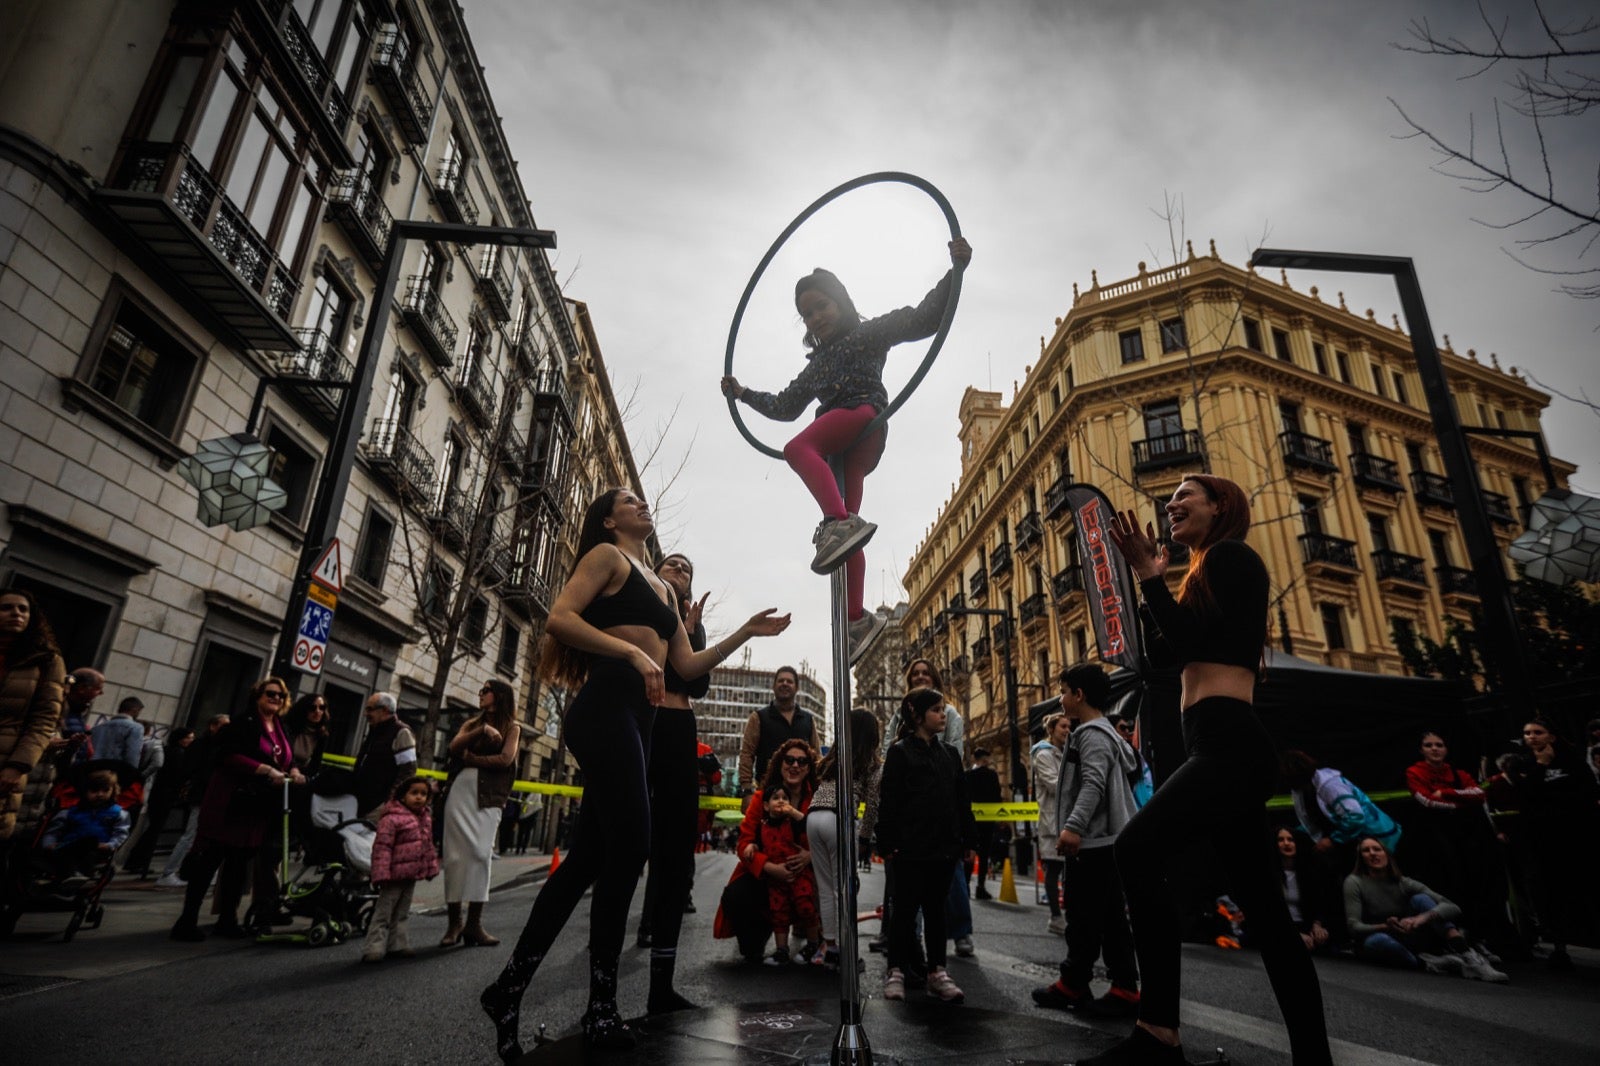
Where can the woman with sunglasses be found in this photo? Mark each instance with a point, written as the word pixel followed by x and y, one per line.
pixel 308 724
pixel 254 758
pixel 483 757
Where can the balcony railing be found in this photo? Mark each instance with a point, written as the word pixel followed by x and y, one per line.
pixel 395 453
pixel 452 194
pixel 494 287
pixel 314 72
pixel 359 210
pixel 1066 582
pixel 451 516
pixel 548 382
pixel 397 80
pixel 1055 499
pixel 1029 533
pixel 1307 452
pixel 525 350
pixel 1173 449
pixel 513 449
pixel 475 393
pixel 978 585
pixel 1395 566
pixel 1320 549
pixel 425 315
pixel 980 653
pixel 319 360
pixel 1432 490
pixel 1498 507
pixel 1033 609
pixel 227 272
pixel 1375 472
pixel 1456 581
pixel 1000 560
pixel 957 602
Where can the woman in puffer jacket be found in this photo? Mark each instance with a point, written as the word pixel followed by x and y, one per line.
pixel 402 855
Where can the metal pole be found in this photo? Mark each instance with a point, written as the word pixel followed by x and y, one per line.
pixel 1019 774
pixel 850 1046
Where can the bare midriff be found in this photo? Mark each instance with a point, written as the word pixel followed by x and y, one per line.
pixel 1205 680
pixel 644 638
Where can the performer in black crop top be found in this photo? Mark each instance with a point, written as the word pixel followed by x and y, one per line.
pixel 612 627
pixel 1215 628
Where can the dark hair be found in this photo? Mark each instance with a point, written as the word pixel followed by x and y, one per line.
pixel 298 720
pixel 1091 680
pixel 405 786
pixel 558 663
pixel 503 715
pixel 101 779
pixel 774 775
pixel 827 283
pixel 1360 869
pixel 786 670
pixel 771 792
pixel 915 707
pixel 863 746
pixel 1548 726
pixel 1232 523
pixel 689 596
pixel 176 735
pixel 37 638
pixel 1297 768
pixel 933 672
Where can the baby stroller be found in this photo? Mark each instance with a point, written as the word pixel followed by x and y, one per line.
pixel 31 881
pixel 332 889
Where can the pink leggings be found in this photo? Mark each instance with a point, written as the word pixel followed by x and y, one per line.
pixel 808 455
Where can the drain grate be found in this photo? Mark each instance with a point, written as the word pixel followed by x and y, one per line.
pixel 14 985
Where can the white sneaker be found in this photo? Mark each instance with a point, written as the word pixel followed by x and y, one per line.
pixel 170 881
pixel 1477 968
pixel 1442 964
pixel 862 631
pixel 1058 925
pixel 894 984
pixel 964 947
pixel 839 538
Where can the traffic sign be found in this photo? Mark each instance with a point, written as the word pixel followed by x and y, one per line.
pixel 316 621
pixel 329 567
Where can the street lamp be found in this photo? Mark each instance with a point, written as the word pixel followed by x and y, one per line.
pixel 328 503
pixel 1502 646
pixel 1019 776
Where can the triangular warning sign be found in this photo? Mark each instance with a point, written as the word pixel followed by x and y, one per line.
pixel 329 568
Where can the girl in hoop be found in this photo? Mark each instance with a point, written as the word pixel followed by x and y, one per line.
pixel 845 373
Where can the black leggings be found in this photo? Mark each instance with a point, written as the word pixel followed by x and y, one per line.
pixel 608 732
pixel 918 884
pixel 201 866
pixel 1219 793
pixel 674 826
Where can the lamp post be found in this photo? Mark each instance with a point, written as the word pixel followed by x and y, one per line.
pixel 1502 645
pixel 328 503
pixel 1019 776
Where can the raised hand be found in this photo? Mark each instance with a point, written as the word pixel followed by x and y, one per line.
pixel 692 617
pixel 1138 546
pixel 731 386
pixel 768 623
pixel 960 252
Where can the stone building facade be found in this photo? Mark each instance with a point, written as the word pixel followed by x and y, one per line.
pixel 196 199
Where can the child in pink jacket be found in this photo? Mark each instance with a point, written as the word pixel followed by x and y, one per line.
pixel 402 855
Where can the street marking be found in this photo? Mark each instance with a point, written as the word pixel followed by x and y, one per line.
pixel 1271 1035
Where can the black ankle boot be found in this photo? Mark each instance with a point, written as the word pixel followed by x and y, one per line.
pixel 502 1002
pixel 664 999
pixel 603 1027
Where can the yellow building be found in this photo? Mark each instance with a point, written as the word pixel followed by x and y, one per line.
pixel 1316 410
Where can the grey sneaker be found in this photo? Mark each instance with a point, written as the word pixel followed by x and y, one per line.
pixel 862 630
pixel 941 987
pixel 1442 964
pixel 839 538
pixel 894 984
pixel 1477 968
pixel 964 947
pixel 1058 925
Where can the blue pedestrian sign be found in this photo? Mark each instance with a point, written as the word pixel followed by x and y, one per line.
pixel 316 622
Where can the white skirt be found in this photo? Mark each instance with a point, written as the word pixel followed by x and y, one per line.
pixel 469 832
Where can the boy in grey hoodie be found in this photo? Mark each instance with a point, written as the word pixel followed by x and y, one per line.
pixel 1094 799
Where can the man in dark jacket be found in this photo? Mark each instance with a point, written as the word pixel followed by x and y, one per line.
pixel 778 721
pixel 983 786
pixel 388 756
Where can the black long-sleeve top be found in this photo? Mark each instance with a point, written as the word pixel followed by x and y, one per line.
pixel 923 808
pixel 848 371
pixel 1231 629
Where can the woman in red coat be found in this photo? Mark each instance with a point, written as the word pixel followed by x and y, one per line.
pixel 743 912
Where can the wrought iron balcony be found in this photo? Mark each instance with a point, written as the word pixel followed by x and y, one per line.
pixel 1322 552
pixel 1432 490
pixel 523 589
pixel 425 315
pixel 1000 560
pixel 402 89
pixel 226 272
pixel 494 287
pixel 496 564
pixel 315 77
pixel 1066 582
pixel 980 653
pixel 960 666
pixel 957 602
pixel 475 393
pixel 452 193
pixel 1055 499
pixel 1001 632
pixel 1029 533
pixel 1498 507
pixel 319 360
pixel 1456 582
pixel 1375 472
pixel 525 351
pixel 1033 610
pixel 451 516
pixel 1173 449
pixel 513 449
pixel 978 585
pixel 549 383
pixel 399 457
pixel 941 624
pixel 1397 567
pixel 1307 452
pixel 359 210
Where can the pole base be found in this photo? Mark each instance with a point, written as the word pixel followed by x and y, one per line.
pixel 850 1047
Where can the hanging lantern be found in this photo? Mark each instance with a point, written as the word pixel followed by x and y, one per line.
pixel 1562 541
pixel 231 474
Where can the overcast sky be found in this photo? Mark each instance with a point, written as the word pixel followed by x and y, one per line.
pixel 669 143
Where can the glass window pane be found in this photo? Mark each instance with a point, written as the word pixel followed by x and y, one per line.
pixel 207 137
pixel 269 190
pixel 175 100
pixel 247 161
pixel 355 46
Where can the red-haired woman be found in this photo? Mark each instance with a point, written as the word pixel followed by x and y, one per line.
pixel 1216 629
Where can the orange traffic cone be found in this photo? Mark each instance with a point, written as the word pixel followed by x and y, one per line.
pixel 555 861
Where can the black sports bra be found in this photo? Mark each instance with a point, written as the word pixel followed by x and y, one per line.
pixel 634 604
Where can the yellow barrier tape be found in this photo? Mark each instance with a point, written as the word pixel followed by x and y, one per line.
pixel 1005 812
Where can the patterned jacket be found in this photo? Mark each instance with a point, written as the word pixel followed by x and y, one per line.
pixel 403 849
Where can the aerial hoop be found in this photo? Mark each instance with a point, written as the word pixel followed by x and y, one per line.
pixel 881 177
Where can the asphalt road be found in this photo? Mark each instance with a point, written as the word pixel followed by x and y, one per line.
pixel 124 994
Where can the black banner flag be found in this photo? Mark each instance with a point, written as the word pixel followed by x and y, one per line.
pixel 1113 607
